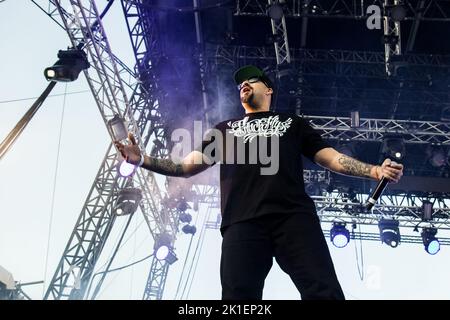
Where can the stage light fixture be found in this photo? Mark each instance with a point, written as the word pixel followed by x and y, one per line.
pixel 163 249
pixel 430 242
pixel 185 217
pixel 182 205
pixel 275 11
pixel 396 12
pixel 189 229
pixel 128 201
pixel 393 147
pixel 339 234
pixel 389 232
pixel 69 65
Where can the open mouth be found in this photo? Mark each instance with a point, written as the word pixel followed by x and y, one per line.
pixel 246 89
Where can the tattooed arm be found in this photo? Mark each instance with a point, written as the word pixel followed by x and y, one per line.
pixel 341 163
pixel 192 164
pixel 195 162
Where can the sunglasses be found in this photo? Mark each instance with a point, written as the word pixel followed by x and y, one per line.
pixel 251 80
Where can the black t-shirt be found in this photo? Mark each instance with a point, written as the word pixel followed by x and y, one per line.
pixel 255 179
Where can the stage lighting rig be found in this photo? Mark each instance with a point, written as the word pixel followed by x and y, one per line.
pixel 69 65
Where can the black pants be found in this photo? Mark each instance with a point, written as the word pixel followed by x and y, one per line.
pixel 298 245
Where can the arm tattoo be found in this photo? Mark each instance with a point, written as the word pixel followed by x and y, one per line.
pixel 354 167
pixel 164 166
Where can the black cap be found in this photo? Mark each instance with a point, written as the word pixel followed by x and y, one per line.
pixel 249 71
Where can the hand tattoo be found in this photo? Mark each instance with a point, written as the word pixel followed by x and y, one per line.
pixel 354 167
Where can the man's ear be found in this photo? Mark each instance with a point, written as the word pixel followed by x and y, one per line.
pixel 269 91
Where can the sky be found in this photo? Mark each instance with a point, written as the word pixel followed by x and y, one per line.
pixel 47 174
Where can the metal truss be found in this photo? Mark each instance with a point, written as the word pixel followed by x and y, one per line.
pixel 209 194
pixel 419 132
pixel 434 10
pixel 392 39
pixel 145 99
pixel 141 24
pixel 156 281
pixel 230 55
pixel 342 63
pixel 405 208
pixel 85 31
pixel 279 34
pixel 202 61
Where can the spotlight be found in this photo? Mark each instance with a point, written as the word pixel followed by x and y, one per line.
pixel 166 253
pixel 396 12
pixel 163 249
pixel 182 205
pixel 185 217
pixel 68 67
pixel 117 128
pixel 339 234
pixel 431 243
pixel 389 232
pixel 189 229
pixel 275 11
pixel 393 148
pixel 128 201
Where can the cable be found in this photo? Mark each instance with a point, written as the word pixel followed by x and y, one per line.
pixel 111 259
pixel 134 253
pixel 54 191
pixel 360 270
pixel 112 252
pixel 201 240
pixel 199 246
pixel 49 96
pixel 185 262
pixel 126 266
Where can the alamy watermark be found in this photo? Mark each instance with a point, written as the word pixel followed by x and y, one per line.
pixel 374 17
pixel 247 142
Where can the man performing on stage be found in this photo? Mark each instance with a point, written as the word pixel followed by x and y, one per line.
pixel 267 213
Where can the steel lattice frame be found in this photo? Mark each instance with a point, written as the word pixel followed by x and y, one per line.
pixel 434 10
pixel 144 39
pixel 354 63
pixel 391 29
pixel 279 31
pixel 405 208
pixel 97 216
pixel 420 132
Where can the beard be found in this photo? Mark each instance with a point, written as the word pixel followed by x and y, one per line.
pixel 248 99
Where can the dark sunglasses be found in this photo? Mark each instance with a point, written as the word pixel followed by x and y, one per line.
pixel 251 80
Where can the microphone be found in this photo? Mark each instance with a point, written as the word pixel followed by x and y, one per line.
pixel 377 193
